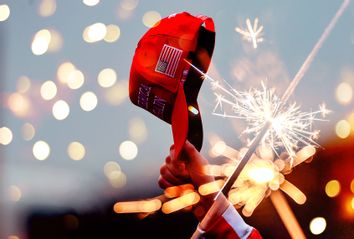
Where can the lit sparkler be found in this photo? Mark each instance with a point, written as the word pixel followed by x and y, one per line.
pixel 252 33
pixel 289 127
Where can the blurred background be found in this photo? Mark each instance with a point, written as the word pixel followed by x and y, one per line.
pixel 72 144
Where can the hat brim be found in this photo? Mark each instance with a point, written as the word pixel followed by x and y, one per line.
pixel 186 121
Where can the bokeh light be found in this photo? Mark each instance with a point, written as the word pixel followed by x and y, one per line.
pixel 318 225
pixel 150 18
pixel 88 101
pixel 23 84
pixel 64 71
pixel 41 150
pixel 117 179
pixel 4 12
pixel 115 176
pixel 352 186
pixel 344 93
pixel 15 193
pixel 113 33
pixel 350 120
pixel 41 41
pixel 137 130
pixel 13 237
pixel 129 5
pixel 218 148
pixel 56 41
pixel 94 33
pixel 28 131
pixel 111 167
pixel 116 94
pixel 332 188
pixel 261 174
pixel 60 110
pixel 107 77
pixel 91 3
pixel 76 151
pixel 47 8
pixel 5 136
pixel 48 90
pixel 19 104
pixel 75 79
pixel 128 150
pixel 342 129
pixel 142 206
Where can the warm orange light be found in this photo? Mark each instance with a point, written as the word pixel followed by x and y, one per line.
pixel 180 202
pixel 177 191
pixel 303 154
pixel 332 188
pixel 211 187
pixel 143 206
pixel 295 193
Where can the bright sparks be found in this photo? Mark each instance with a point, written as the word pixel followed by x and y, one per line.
pixel 289 127
pixel 251 33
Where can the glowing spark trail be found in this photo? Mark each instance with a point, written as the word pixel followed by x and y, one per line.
pixel 251 34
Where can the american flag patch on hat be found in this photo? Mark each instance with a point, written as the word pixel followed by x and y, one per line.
pixel 168 60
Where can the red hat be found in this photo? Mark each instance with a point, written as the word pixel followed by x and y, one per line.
pixel 161 80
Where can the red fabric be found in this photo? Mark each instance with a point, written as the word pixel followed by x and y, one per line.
pixel 222 230
pixel 179 116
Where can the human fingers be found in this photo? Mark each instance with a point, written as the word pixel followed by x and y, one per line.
pixel 163 183
pixel 176 165
pixel 170 177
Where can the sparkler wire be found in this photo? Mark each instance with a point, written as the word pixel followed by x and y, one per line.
pixel 230 181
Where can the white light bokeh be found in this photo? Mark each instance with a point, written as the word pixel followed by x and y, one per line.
pixel 5 136
pixel 107 77
pixel 318 225
pixel 19 104
pixel 41 150
pixel 41 41
pixel 113 33
pixel 75 79
pixel 343 129
pixel 48 90
pixel 344 93
pixel 60 110
pixel 128 150
pixel 65 69
pixel 76 151
pixel 91 3
pixel 150 18
pixel 4 12
pixel 88 101
pixel 94 33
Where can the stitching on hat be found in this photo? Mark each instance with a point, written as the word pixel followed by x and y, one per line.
pixel 168 60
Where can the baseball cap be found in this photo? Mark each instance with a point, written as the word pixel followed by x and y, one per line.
pixel 162 80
